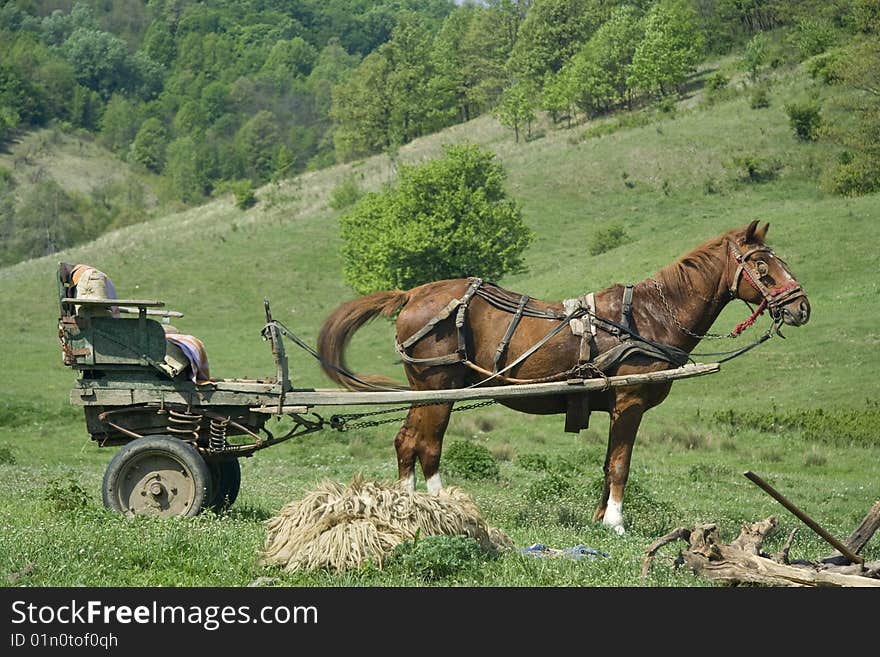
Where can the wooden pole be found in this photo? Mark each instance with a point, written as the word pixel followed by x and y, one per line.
pixel 808 521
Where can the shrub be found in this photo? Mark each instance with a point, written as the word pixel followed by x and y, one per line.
pixel 66 495
pixel 855 175
pixel 345 194
pixel 717 81
pixel 549 487
pixel 805 119
pixel 470 460
pixel 835 427
pixel 243 191
pixel 759 98
pixel 434 558
pixel 533 462
pixel 813 36
pixel 756 169
pixel 447 218
pixel 607 238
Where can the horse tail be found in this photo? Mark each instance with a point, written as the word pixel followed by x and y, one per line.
pixel 342 324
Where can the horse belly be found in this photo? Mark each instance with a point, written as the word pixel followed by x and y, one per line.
pixel 550 404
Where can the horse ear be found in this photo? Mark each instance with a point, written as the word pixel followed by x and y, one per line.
pixel 761 233
pixel 750 232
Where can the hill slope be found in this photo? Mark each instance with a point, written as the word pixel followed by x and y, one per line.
pixel 216 263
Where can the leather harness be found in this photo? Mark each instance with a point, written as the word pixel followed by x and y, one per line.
pixel 581 317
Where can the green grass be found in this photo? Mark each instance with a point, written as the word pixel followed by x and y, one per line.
pixel 216 263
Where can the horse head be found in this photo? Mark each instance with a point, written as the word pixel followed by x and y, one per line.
pixel 758 276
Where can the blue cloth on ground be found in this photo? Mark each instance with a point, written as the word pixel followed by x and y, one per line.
pixel 574 552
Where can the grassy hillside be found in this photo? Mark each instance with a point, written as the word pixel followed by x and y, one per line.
pixel 670 183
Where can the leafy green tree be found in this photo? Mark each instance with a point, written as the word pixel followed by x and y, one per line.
pixel 858 169
pixel 558 95
pixel 118 124
pixel 516 108
pixel 756 56
pixel 553 30
pixel 258 141
pixel 412 109
pixel 361 109
pixel 447 218
pixel 333 65
pixel 601 70
pixel 671 49
pixel 48 220
pixel 183 170
pixel 159 43
pixel 291 58
pixel 99 58
pixel 469 55
pixel 148 147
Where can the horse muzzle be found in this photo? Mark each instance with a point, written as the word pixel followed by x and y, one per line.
pixel 796 312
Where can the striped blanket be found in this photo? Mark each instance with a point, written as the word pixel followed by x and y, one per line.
pixel 194 350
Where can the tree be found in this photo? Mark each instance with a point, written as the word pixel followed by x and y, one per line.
pixel 600 71
pixel 671 49
pixel 183 170
pixel 553 30
pixel 118 124
pixel 516 108
pixel 447 218
pixel 100 60
pixel 858 169
pixel 148 147
pixel 361 110
pixel 258 141
pixel 409 56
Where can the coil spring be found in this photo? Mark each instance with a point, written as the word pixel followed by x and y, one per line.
pixel 181 424
pixel 217 438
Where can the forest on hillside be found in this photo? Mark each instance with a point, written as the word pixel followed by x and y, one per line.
pixel 207 96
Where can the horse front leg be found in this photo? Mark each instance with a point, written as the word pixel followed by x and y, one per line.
pixel 621 437
pixel 421 436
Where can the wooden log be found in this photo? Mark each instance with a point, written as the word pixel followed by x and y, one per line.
pixel 807 520
pixel 863 533
pixel 742 562
pixel 860 537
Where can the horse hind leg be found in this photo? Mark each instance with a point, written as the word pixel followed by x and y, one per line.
pixel 421 437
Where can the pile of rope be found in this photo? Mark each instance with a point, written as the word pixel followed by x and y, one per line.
pixel 339 527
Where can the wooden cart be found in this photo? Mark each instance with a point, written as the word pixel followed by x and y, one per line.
pixel 181 441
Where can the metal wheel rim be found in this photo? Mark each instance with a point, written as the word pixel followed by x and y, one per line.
pixel 156 483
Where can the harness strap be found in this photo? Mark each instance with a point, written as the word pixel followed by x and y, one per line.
pixel 626 312
pixel 502 347
pixel 427 328
pixel 459 317
pixel 461 352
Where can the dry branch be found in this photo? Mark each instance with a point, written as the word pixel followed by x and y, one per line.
pixel 743 562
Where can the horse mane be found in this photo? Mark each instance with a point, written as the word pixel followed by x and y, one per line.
pixel 698 269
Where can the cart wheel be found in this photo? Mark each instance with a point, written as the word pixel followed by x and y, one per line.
pixel 225 483
pixel 157 476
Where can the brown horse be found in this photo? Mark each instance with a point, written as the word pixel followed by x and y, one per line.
pixel 461 332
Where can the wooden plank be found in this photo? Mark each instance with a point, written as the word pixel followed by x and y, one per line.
pixel 145 303
pixel 338 397
pixel 130 310
pixel 259 396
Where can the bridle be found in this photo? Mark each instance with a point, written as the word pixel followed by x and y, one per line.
pixel 753 272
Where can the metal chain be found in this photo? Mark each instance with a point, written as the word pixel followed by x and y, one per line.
pixel 681 327
pixel 341 422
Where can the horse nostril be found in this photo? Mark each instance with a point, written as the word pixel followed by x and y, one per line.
pixel 805 310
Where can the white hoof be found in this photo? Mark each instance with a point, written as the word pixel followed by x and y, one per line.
pixel 614 517
pixel 434 484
